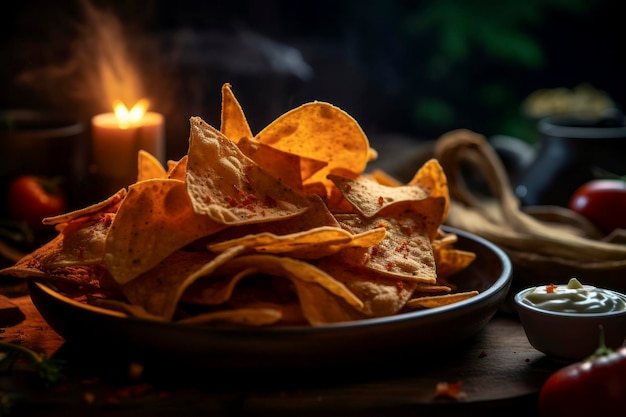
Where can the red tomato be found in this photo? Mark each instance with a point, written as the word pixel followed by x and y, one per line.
pixel 602 202
pixel 32 198
pixel 594 387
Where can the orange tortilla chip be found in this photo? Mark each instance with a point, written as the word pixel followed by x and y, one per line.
pixel 309 244
pixel 289 268
pixel 159 289
pixel 110 205
pixel 450 260
pixel 292 169
pixel 230 188
pixel 422 288
pixel 381 295
pixel 247 316
pixel 322 298
pixel 266 242
pixel 178 170
pixel 155 220
pixel 320 306
pixel 77 277
pixel 83 242
pixel 316 216
pixel 370 197
pixel 149 167
pixel 216 290
pixel 234 124
pixel 309 166
pixel 405 252
pixel 281 165
pixel 432 177
pixel 439 300
pixel 322 132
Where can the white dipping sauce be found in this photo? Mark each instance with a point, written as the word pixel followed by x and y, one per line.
pixel 575 298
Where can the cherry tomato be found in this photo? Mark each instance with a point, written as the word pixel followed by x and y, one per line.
pixel 593 387
pixel 32 198
pixel 602 202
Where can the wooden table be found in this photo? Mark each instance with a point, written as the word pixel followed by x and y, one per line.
pixel 498 370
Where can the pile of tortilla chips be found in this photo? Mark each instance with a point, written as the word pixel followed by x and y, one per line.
pixel 274 228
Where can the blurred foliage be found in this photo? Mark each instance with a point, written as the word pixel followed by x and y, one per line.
pixel 480 36
pixel 459 61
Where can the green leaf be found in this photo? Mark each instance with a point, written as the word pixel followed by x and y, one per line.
pixel 434 111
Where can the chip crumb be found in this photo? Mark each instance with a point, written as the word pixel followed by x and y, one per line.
pixel 135 370
pixel 89 397
pixel 447 390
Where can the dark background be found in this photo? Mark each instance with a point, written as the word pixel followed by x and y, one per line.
pixel 412 68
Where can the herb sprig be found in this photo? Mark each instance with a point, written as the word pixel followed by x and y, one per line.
pixel 49 371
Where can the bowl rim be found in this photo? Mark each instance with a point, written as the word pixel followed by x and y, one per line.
pixel 57 125
pixel 581 316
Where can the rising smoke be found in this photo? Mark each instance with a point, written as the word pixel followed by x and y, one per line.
pixel 96 62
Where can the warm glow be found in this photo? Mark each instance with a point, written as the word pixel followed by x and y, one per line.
pixel 126 117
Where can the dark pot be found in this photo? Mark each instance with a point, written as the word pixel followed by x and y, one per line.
pixel 571 152
pixel 40 143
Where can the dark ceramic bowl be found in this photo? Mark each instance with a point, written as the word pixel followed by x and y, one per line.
pixel 425 331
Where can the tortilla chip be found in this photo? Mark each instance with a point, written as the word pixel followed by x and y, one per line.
pixel 110 205
pixel 155 220
pixel 310 244
pixel 291 169
pixel 290 311
pixel 439 300
pixel 178 170
pixel 234 124
pixel 289 268
pixel 245 316
pixel 432 178
pixel 321 306
pixel 230 188
pixel 83 242
pixel 281 165
pixel 159 290
pixel 321 298
pixel 370 197
pixel 381 295
pixel 75 278
pixel 451 261
pixel 149 167
pixel 316 216
pixel 322 132
pixel 405 253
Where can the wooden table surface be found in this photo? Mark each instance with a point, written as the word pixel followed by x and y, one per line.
pixel 498 370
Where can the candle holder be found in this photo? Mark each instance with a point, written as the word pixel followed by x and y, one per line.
pixel 115 148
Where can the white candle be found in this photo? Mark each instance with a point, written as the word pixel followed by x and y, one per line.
pixel 116 146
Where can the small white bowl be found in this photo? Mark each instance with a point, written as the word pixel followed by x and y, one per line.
pixel 569 337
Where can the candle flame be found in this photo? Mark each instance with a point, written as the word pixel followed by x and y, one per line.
pixel 125 117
